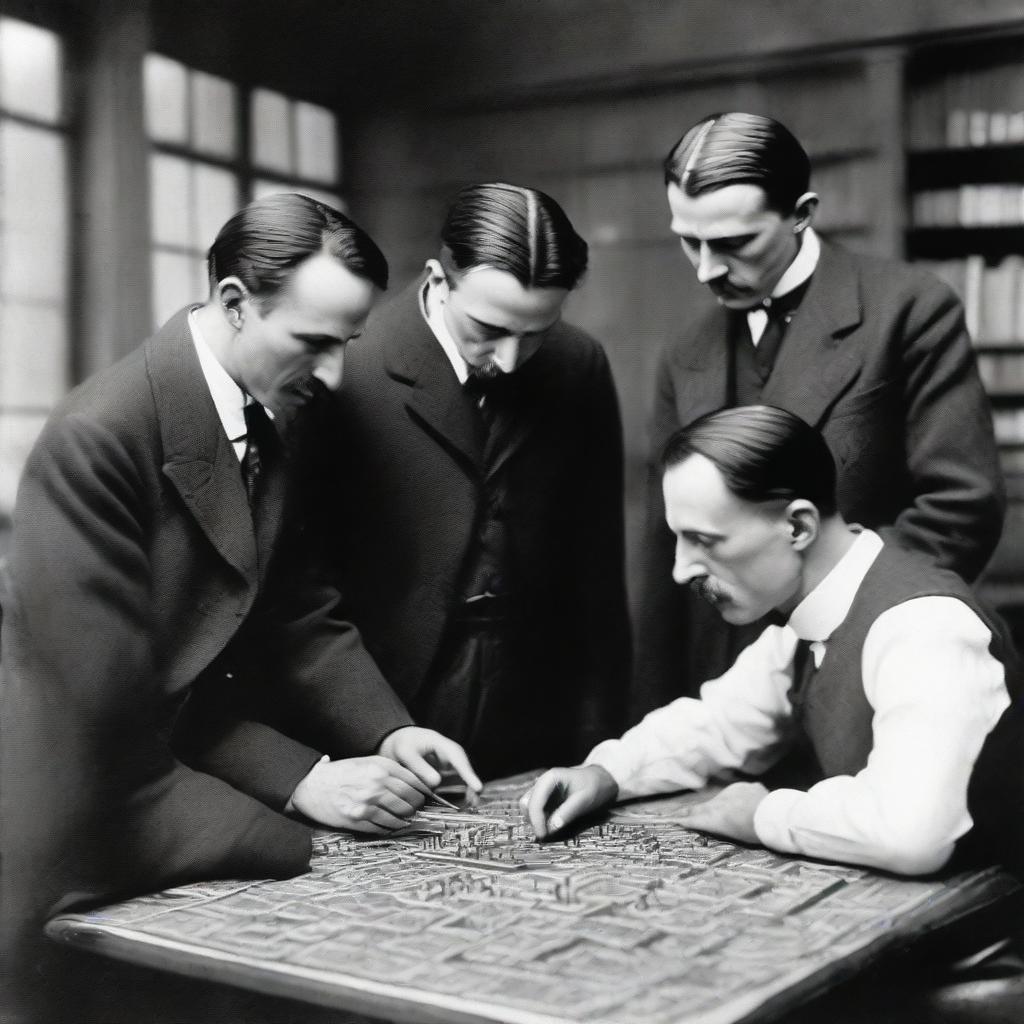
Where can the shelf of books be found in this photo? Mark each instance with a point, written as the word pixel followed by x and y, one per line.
pixel 965 178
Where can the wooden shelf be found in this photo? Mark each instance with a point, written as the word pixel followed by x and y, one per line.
pixel 952 166
pixel 999 348
pixel 949 242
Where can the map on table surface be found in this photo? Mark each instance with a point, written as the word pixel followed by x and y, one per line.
pixel 465 917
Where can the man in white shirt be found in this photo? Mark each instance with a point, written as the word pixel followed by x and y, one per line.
pixel 884 693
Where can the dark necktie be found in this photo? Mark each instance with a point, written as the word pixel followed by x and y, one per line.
pixel 780 311
pixel 260 441
pixel 480 391
pixel 804 669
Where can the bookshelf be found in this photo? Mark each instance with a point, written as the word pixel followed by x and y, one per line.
pixel 965 182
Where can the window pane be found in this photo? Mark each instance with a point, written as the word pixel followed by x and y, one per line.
pixel 18 432
pixel 213 115
pixel 33 370
pixel 33 265
pixel 316 139
pixel 271 130
pixel 33 177
pixel 30 70
pixel 170 200
pixel 265 187
pixel 216 197
pixel 174 283
pixel 166 88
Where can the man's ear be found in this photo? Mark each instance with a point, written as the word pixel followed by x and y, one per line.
pixel 803 522
pixel 435 273
pixel 234 299
pixel 803 211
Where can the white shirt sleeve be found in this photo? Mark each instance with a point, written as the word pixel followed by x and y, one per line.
pixel 936 692
pixel 741 722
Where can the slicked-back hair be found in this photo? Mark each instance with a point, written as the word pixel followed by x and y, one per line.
pixel 736 149
pixel 265 241
pixel 763 453
pixel 519 230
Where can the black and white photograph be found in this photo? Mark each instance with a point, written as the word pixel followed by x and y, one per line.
pixel 511 512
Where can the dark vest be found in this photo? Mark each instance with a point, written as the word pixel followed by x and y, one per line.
pixel 835 715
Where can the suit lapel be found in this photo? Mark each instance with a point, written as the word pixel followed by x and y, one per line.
pixel 701 383
pixel 413 356
pixel 815 366
pixel 198 458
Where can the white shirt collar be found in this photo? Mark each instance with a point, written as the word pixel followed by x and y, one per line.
pixel 430 307
pixel 803 265
pixel 228 398
pixel 823 610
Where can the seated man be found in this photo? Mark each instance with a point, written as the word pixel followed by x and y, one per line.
pixel 156 577
pixel 883 701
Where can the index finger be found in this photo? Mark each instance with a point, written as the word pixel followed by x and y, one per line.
pixel 458 760
pixel 544 789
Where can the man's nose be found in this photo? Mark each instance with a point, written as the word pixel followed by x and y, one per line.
pixel 687 565
pixel 330 368
pixel 709 266
pixel 506 352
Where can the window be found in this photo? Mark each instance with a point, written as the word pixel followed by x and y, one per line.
pixel 201 171
pixel 34 208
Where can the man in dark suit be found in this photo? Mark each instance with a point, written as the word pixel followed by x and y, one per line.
pixel 872 352
pixel 480 466
pixel 156 568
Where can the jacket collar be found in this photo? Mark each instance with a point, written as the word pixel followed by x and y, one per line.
pixel 814 367
pixel 198 458
pixel 414 357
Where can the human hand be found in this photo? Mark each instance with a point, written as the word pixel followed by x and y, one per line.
pixel 729 813
pixel 424 751
pixel 562 795
pixel 364 794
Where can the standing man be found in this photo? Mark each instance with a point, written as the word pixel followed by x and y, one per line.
pixel 159 610
pixel 480 519
pixel 880 712
pixel 873 353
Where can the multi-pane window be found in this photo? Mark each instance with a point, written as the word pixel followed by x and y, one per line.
pixel 202 170
pixel 192 120
pixel 34 208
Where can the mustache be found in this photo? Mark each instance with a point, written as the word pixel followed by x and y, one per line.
pixel 705 588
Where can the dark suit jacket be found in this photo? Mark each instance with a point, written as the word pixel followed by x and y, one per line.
pixel 134 566
pixel 409 468
pixel 879 359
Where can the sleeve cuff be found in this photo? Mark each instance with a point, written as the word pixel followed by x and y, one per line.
pixel 771 820
pixel 611 756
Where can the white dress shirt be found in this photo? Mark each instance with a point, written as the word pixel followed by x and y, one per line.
pixel 803 265
pixel 936 692
pixel 228 398
pixel 430 307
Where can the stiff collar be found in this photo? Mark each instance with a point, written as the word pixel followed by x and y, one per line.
pixel 804 264
pixel 430 307
pixel 796 274
pixel 228 398
pixel 823 610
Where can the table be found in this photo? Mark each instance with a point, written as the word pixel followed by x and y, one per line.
pixel 464 918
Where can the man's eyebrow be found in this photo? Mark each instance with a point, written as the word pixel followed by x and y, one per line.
pixel 718 239
pixel 484 324
pixel 504 330
pixel 702 534
pixel 322 340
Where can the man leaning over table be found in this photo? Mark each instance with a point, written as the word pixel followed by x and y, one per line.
pixel 880 712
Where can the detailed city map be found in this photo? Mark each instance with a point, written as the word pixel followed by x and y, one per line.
pixel 635 920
